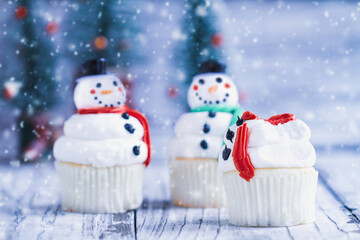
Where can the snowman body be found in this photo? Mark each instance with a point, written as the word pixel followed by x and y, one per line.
pixel 104 127
pixel 105 147
pixel 194 150
pixel 199 133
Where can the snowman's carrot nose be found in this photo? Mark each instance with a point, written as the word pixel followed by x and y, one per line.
pixel 106 92
pixel 213 89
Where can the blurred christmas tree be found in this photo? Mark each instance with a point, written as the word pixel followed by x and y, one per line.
pixel 32 87
pixel 204 39
pixel 108 29
pixel 201 39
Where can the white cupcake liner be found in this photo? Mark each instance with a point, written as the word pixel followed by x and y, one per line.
pixel 273 197
pixel 100 190
pixel 196 183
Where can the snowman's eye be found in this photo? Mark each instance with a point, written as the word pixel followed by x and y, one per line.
pixel 115 83
pixel 98 85
pixel 201 81
pixel 219 80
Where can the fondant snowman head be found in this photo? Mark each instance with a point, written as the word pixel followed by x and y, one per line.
pixel 96 88
pixel 212 87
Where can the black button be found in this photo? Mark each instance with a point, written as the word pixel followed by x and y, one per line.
pixel 240 121
pixel 125 115
pixel 226 153
pixel 203 144
pixel 136 150
pixel 206 128
pixel 212 114
pixel 230 135
pixel 129 128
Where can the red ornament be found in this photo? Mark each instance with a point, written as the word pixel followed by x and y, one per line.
pixel 217 39
pixel 173 91
pixel 100 42
pixel 7 94
pixel 11 89
pixel 52 27
pixel 21 12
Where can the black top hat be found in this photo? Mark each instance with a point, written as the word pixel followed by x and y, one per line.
pixel 93 67
pixel 212 66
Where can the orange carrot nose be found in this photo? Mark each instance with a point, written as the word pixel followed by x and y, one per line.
pixel 213 89
pixel 106 92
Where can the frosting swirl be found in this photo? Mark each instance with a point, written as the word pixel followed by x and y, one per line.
pixel 199 134
pixel 102 126
pixel 271 145
pixel 102 140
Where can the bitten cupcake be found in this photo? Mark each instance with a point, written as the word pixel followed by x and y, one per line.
pixel 101 158
pixel 213 99
pixel 268 173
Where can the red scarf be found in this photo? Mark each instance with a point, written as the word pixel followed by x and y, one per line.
pixel 131 112
pixel 241 157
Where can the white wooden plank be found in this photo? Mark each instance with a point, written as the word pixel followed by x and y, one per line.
pixel 340 170
pixel 108 226
pixel 17 193
pixel 332 219
pixel 155 221
pixel 32 209
pixel 229 231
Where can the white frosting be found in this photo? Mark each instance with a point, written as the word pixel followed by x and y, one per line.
pixel 189 131
pixel 193 123
pixel 99 91
pixel 100 153
pixel 188 146
pixel 263 132
pixel 210 89
pixel 102 126
pixel 101 140
pixel 273 146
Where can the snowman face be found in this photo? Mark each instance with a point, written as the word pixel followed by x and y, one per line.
pixel 211 89
pixel 99 91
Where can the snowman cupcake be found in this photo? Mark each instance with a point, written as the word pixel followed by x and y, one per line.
pixel 213 99
pixel 101 158
pixel 268 173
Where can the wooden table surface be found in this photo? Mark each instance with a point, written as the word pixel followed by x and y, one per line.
pixel 30 208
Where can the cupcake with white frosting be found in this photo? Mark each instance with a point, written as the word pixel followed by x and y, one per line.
pixel 213 99
pixel 268 174
pixel 106 146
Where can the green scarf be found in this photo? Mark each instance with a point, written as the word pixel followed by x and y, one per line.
pixel 234 110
